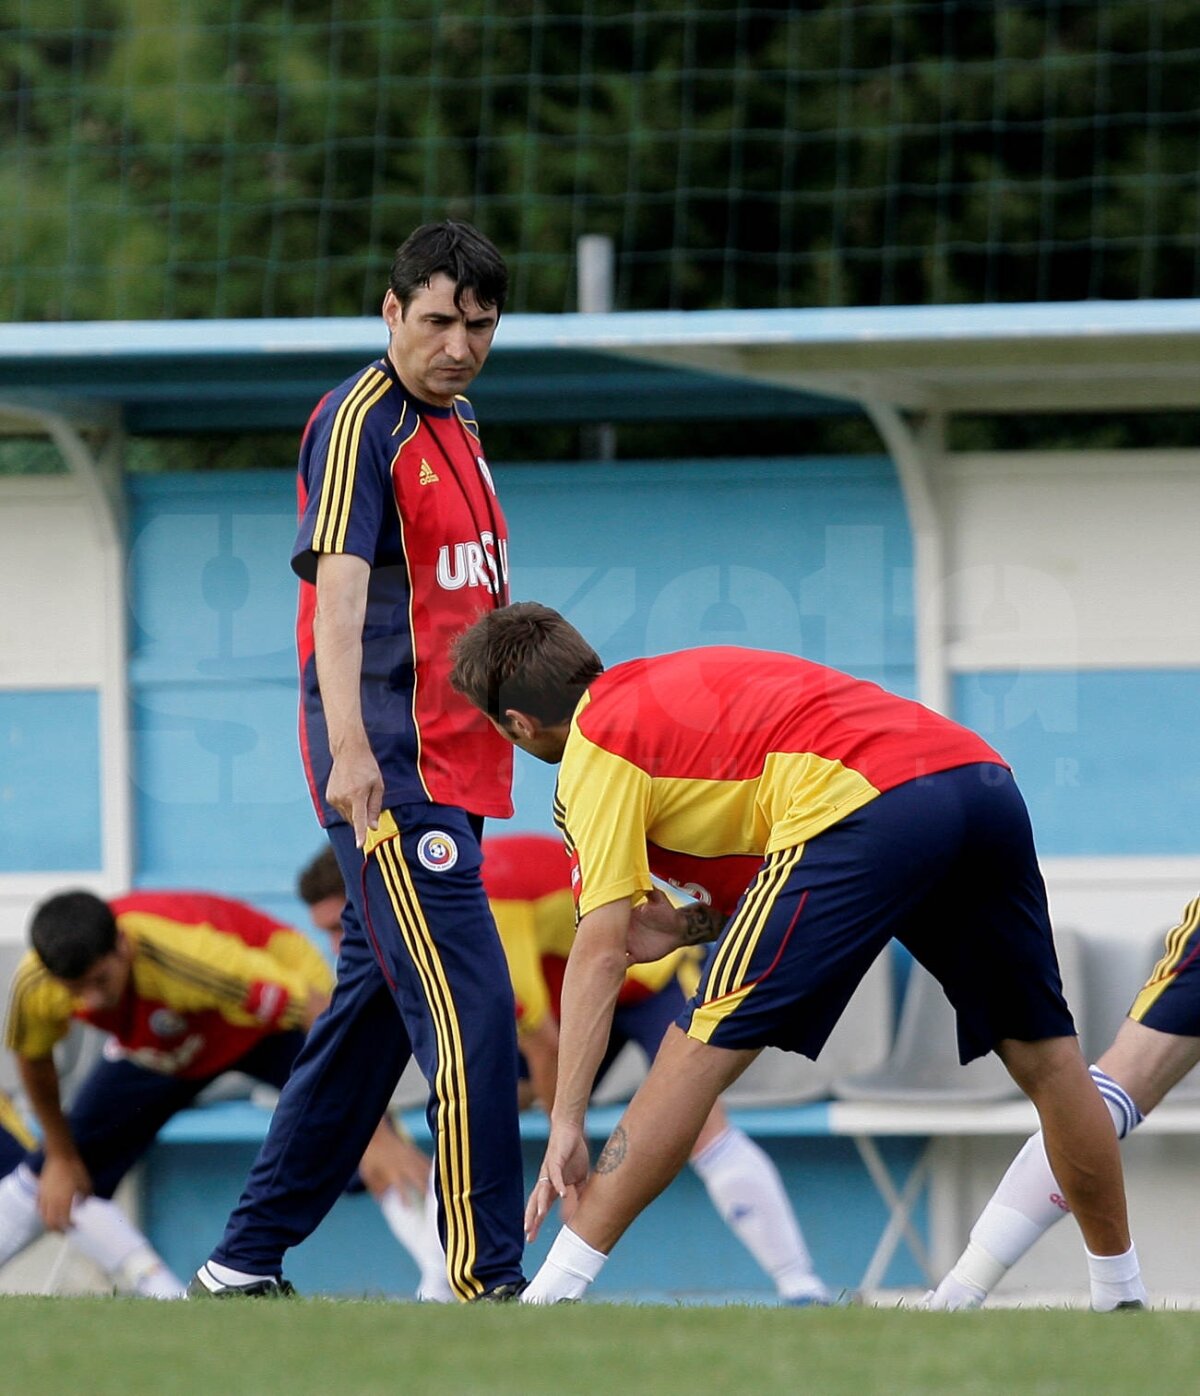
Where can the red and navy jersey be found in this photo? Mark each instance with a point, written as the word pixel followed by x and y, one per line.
pixel 405 486
pixel 731 753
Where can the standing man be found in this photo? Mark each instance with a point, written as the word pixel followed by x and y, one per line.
pixel 871 816
pixel 401 544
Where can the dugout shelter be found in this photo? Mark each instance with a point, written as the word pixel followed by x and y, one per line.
pixel 147 687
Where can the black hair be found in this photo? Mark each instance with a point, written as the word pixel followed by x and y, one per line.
pixel 71 931
pixel 458 250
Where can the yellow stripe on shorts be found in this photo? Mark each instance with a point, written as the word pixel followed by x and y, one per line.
pixel 1163 973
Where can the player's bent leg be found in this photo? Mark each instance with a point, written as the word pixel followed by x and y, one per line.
pixel 649 1146
pixel 1081 1147
pixel 1148 1063
pixel 1027 1202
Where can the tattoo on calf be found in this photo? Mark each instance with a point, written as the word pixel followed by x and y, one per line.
pixel 701 924
pixel 613 1153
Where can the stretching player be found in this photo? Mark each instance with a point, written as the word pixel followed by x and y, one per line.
pixel 190 986
pixel 1154 1049
pixel 868 816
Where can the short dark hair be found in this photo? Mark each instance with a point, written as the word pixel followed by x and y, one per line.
pixel 321 877
pixel 458 250
pixel 71 931
pixel 527 657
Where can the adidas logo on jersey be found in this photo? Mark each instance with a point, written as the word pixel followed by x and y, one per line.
pixel 428 475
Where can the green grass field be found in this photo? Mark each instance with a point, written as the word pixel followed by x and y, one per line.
pixel 110 1347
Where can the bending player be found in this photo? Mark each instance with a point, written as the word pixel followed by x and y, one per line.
pixel 868 816
pixel 1154 1049
pixel 190 986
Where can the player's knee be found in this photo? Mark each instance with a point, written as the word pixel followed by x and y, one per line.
pixel 1044 1065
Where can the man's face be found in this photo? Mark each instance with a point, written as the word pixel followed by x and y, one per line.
pixel 436 348
pixel 103 986
pixel 326 915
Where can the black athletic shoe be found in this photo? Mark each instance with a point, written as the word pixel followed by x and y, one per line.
pixel 503 1294
pixel 205 1285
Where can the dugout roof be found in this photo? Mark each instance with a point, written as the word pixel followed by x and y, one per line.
pixel 161 377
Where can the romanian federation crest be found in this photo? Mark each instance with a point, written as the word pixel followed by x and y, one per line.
pixel 437 851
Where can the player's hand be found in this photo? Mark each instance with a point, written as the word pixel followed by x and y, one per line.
pixel 392 1161
pixel 355 790
pixel 564 1168
pixel 655 929
pixel 63 1180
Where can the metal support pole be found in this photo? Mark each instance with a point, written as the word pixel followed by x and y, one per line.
pixel 595 261
pixel 914 452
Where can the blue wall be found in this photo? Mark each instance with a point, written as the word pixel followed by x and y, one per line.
pixel 1109 761
pixel 50 780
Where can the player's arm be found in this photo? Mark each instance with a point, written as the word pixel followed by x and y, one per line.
pixel 281 987
pixel 355 786
pixel 594 975
pixel 64 1175
pixel 656 928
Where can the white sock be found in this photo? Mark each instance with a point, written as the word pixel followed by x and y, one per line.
pixel 435 1283
pixel 102 1232
pixel 1025 1205
pixel 409 1224
pixel 20 1221
pixel 1115 1279
pixel 570 1266
pixel 747 1191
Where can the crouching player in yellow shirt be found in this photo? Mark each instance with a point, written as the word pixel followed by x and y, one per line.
pixel 527 879
pixel 188 986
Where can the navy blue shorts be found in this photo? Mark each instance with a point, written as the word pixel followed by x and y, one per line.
pixel 946 865
pixel 1169 1001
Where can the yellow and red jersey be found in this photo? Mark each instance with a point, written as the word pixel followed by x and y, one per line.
pixel 210 977
pixel 528 884
pixel 724 752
